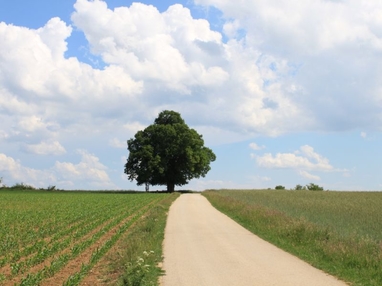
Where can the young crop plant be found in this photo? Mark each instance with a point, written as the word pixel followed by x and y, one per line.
pixel 42 233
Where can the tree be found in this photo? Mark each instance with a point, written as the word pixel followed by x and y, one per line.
pixel 279 187
pixel 167 153
pixel 299 187
pixel 314 187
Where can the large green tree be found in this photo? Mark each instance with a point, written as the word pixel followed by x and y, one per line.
pixel 167 152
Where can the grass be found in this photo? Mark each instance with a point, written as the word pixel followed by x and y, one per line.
pixel 41 233
pixel 338 232
pixel 142 247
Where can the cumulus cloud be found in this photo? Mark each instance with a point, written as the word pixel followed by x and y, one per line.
pixel 88 173
pixel 8 163
pixel 12 169
pixel 309 176
pixel 152 45
pixel 32 124
pixel 116 143
pixel 40 87
pixel 285 67
pixel 153 61
pixel 187 66
pixel 321 54
pixel 256 147
pixel 133 127
pixel 308 159
pixel 90 168
pixel 46 148
pixel 274 67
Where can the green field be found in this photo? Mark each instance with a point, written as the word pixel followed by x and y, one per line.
pixel 339 232
pixel 56 238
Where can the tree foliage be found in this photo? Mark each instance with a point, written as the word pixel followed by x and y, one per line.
pixel 314 187
pixel 310 187
pixel 167 152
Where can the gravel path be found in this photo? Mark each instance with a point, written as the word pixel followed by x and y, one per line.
pixel 202 246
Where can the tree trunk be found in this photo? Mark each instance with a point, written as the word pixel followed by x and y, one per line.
pixel 170 187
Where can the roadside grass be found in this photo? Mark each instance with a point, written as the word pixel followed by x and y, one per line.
pixel 338 232
pixel 140 255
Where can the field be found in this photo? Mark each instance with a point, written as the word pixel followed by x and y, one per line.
pixel 338 232
pixel 63 238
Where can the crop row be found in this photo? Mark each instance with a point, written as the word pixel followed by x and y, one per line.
pixel 40 220
pixel 64 226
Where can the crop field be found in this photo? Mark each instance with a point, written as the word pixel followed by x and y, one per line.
pixel 55 238
pixel 338 232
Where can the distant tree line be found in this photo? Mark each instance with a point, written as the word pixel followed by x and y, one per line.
pixel 25 187
pixel 309 187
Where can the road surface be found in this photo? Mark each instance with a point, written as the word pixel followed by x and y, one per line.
pixel 203 247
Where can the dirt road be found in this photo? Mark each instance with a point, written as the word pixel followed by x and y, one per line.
pixel 204 247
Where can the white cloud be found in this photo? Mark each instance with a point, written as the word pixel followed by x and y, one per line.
pixel 116 143
pixel 134 127
pixel 168 60
pixel 8 163
pixel 89 173
pixel 322 53
pixel 231 28
pixel 46 148
pixel 90 168
pixel 52 34
pixel 307 26
pixel 266 83
pixel 281 67
pixel 309 176
pixel 39 86
pixel 13 170
pixel 304 161
pixel 181 59
pixel 32 124
pixel 149 44
pixel 310 160
pixel 256 147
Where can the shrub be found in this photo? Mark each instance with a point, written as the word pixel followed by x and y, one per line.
pixel 279 187
pixel 51 188
pixel 22 186
pixel 300 187
pixel 314 187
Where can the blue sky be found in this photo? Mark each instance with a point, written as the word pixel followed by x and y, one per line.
pixel 284 93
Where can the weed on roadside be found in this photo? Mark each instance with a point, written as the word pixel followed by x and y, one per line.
pixel 330 240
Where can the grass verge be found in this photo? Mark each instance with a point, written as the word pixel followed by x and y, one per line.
pixel 350 256
pixel 140 252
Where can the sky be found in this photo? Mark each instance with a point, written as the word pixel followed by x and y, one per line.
pixel 284 92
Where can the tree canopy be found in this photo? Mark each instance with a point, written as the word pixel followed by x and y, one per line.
pixel 167 152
